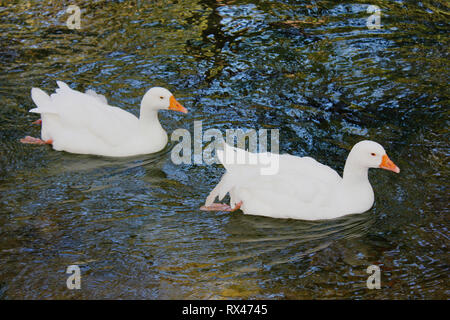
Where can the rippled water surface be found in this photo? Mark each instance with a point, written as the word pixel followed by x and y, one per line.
pixel 312 69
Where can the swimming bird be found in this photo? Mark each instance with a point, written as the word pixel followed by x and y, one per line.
pixel 302 188
pixel 85 123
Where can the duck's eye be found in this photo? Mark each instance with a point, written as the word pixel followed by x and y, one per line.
pixel 161 98
pixel 373 154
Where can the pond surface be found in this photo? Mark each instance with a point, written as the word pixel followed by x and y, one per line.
pixel 311 69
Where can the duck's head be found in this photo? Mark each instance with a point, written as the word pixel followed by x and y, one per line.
pixel 158 98
pixel 370 154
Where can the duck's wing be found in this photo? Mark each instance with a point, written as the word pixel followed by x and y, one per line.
pixel 94 94
pixel 307 168
pixel 302 178
pixel 247 165
pixel 87 113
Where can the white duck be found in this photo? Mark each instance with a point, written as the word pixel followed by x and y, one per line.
pixel 84 123
pixel 302 188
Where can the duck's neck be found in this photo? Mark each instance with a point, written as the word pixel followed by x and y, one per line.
pixel 148 120
pixel 152 135
pixel 356 194
pixel 355 174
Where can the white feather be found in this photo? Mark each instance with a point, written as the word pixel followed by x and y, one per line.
pixel 84 123
pixel 302 188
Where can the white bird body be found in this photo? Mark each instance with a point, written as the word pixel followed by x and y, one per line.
pixel 302 188
pixel 84 123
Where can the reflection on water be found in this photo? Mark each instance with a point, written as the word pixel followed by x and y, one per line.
pixel 311 69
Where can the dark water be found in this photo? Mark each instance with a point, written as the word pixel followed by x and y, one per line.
pixel 309 68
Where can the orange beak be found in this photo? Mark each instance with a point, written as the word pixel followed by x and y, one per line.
pixel 387 164
pixel 176 106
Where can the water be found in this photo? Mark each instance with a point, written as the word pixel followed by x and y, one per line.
pixel 311 69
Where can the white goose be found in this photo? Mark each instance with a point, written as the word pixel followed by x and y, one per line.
pixel 302 188
pixel 84 123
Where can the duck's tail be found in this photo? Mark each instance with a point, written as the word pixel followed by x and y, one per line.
pixel 239 165
pixel 42 101
pixel 220 190
pixel 45 103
